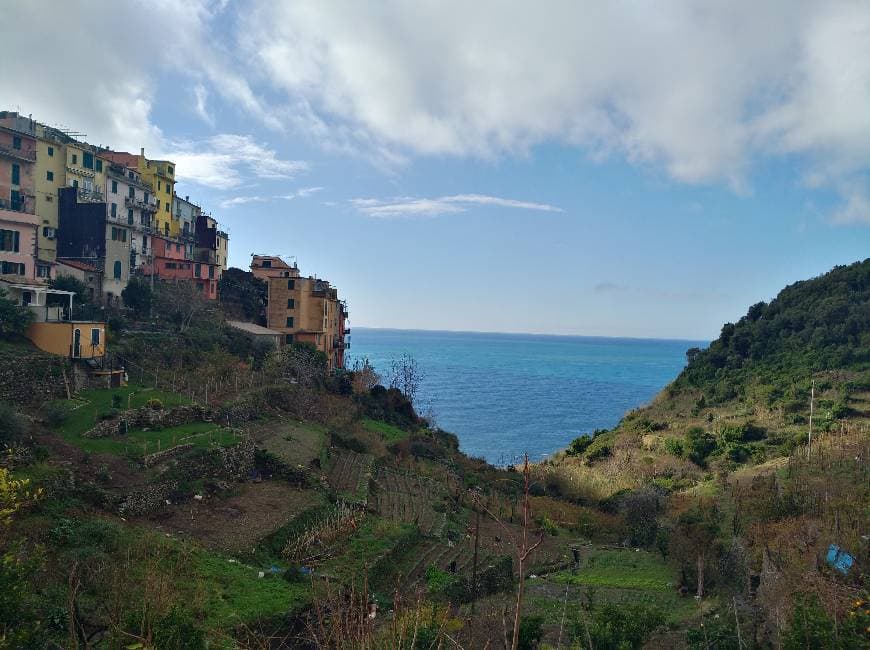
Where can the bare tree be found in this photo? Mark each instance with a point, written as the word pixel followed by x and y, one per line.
pixel 180 302
pixel 406 375
pixel 364 376
pixel 523 548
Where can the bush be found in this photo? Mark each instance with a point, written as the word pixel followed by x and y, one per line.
pixel 12 425
pixel 54 414
pixel 619 627
pixel 531 631
pixel 674 446
pixel 154 404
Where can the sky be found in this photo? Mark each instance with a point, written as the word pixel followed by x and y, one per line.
pixel 629 168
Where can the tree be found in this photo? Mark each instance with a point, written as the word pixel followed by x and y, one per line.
pixel 70 283
pixel 364 376
pixel 243 296
pixel 181 303
pixel 694 540
pixel 299 363
pixel 137 296
pixel 406 375
pixel 14 319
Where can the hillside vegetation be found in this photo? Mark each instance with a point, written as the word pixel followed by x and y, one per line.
pixel 233 498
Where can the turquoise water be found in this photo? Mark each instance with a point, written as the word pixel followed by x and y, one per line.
pixel 506 394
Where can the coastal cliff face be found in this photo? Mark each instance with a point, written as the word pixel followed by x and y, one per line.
pixel 324 512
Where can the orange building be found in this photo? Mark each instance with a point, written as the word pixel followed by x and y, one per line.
pixel 303 309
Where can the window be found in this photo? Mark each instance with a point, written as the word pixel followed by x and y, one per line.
pixel 210 271
pixel 11 268
pixel 43 271
pixel 267 264
pixel 99 165
pixel 130 216
pixel 144 243
pixel 166 229
pixel 95 337
pixel 75 182
pixel 9 240
pixel 178 248
pixel 114 210
pixel 16 142
pixel 131 175
pixel 288 339
pixel 131 192
pixel 158 186
pixel 16 174
pixel 170 170
pixel 117 270
pixel 51 151
pixel 114 187
pixel 168 190
pixel 48 232
pixel 119 234
pixel 197 270
pixel 87 160
pixel 147 197
pixel 49 176
pixel 289 321
pixel 291 304
pixel 166 205
pixel 75 159
pixel 170 265
pixel 291 284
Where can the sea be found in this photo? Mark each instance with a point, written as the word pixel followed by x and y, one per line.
pixel 505 395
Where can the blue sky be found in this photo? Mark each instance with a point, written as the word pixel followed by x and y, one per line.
pixel 594 169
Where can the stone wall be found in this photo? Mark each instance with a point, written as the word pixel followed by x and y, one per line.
pixel 158 457
pixel 31 377
pixel 149 418
pixel 146 499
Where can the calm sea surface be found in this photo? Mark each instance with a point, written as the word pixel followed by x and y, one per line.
pixel 505 394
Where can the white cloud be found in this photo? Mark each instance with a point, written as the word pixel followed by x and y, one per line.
pixel 416 207
pixel 226 160
pixel 701 90
pixel 200 96
pixel 298 194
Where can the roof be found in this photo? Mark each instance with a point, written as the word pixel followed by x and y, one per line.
pixel 76 264
pixel 253 328
pixel 38 288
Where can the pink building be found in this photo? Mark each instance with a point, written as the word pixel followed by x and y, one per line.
pixel 18 221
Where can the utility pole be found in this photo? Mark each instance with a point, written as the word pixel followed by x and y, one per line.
pixel 810 434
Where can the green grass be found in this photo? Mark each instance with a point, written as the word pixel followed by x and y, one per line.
pixel 375 537
pixel 85 409
pixel 389 432
pixel 621 570
pixel 234 593
pixel 88 405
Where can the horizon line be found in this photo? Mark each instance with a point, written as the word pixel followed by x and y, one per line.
pixel 587 336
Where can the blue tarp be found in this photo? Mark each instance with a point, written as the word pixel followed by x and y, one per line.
pixel 839 559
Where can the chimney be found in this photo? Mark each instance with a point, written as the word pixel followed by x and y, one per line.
pixel 187 198
pixel 142 152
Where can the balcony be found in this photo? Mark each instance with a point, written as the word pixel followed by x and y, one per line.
pixel 86 195
pixel 19 205
pixel 140 204
pixel 18 154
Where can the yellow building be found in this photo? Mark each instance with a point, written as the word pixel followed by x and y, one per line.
pixel 161 175
pixel 52 329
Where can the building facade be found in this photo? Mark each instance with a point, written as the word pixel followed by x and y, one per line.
pixel 303 309
pixel 18 220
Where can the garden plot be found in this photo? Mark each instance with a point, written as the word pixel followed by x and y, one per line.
pixel 295 443
pixel 349 473
pixel 409 499
pixel 236 523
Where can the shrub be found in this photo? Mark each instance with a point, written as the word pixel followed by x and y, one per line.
pixel 617 626
pixel 54 414
pixel 12 425
pixel 674 446
pixel 531 631
pixel 701 444
pixel 154 404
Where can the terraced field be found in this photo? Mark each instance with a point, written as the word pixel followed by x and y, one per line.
pixel 409 499
pixel 349 473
